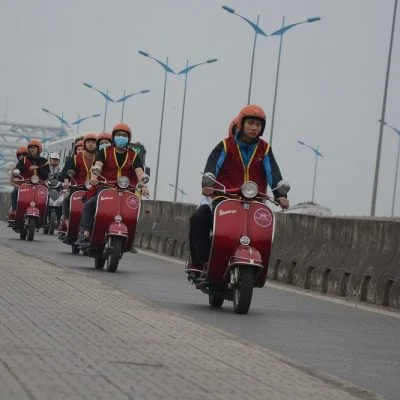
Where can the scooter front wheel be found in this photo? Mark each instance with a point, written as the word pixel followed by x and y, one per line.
pixel 52 222
pixel 75 249
pixel 31 225
pixel 99 263
pixel 114 254
pixel 243 292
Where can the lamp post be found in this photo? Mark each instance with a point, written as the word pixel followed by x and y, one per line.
pixel 80 120
pixel 317 154
pixel 181 191
pixel 257 31
pixel 382 119
pixel 126 97
pixel 185 72
pixel 397 166
pixel 280 32
pixel 60 118
pixel 106 97
pixel 167 69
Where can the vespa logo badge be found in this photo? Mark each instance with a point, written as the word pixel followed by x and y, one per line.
pixel 132 202
pixel 106 198
pixel 263 217
pixel 41 193
pixel 222 212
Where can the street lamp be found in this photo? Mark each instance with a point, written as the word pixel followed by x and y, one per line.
pixel 397 165
pixel 382 119
pixel 181 191
pixel 185 71
pixel 107 98
pixel 167 70
pixel 281 32
pixel 317 154
pixel 60 118
pixel 79 120
pixel 257 31
pixel 126 97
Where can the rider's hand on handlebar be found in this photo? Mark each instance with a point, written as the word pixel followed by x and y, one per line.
pixel 283 202
pixel 207 192
pixel 144 190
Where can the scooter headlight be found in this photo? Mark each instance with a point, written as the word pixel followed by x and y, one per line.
pixel 35 179
pixel 249 189
pixel 33 204
pixel 123 182
pixel 118 219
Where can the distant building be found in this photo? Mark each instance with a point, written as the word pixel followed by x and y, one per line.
pixel 309 208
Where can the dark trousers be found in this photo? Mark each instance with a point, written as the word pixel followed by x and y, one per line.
pixel 14 199
pixel 88 212
pixel 201 223
pixel 65 205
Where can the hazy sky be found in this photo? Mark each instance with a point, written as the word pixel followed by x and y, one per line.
pixel 330 94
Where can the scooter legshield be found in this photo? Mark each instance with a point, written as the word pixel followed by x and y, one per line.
pixel 75 213
pixel 27 194
pixel 232 220
pixel 110 203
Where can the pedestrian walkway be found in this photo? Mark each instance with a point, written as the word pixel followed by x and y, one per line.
pixel 66 335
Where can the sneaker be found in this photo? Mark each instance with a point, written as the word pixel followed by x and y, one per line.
pixel 82 239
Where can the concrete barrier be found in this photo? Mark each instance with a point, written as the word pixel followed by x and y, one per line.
pixel 5 201
pixel 355 258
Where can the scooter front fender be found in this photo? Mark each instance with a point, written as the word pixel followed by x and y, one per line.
pixel 117 229
pixel 32 212
pixel 245 255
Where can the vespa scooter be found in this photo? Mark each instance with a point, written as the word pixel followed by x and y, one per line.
pixel 241 242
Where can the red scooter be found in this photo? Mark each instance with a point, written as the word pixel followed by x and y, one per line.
pixel 115 220
pixel 68 235
pixel 31 210
pixel 240 246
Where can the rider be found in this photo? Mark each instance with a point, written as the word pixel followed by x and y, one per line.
pixel 235 160
pixel 55 164
pixel 115 161
pixel 22 151
pixel 104 140
pixel 80 163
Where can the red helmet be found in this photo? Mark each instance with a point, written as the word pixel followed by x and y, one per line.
pixel 251 111
pixel 22 150
pixel 232 127
pixel 124 128
pixel 77 144
pixel 35 142
pixel 104 135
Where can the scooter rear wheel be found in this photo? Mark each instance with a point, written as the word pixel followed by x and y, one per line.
pixel 99 263
pixel 115 254
pixel 215 300
pixel 31 225
pixel 243 293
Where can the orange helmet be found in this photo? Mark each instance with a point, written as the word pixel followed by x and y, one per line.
pixel 124 128
pixel 232 127
pixel 35 142
pixel 22 150
pixel 104 135
pixel 251 111
pixel 77 144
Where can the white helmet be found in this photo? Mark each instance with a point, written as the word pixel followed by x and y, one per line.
pixel 55 155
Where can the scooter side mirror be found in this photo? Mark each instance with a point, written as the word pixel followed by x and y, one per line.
pixel 147 171
pixel 16 172
pixel 283 187
pixel 145 178
pixel 71 173
pixel 208 179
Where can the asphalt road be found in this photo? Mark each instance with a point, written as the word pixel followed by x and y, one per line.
pixel 358 345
